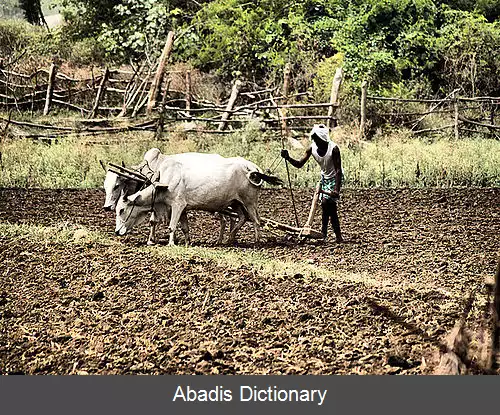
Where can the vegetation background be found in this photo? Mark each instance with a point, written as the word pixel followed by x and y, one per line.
pixel 403 48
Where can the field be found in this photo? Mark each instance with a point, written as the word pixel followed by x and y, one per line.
pixel 75 299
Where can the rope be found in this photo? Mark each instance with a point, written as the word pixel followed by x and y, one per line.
pixel 286 165
pixel 274 165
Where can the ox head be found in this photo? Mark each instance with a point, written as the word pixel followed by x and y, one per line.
pixel 134 209
pixel 119 181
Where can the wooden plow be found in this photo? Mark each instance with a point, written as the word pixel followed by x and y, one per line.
pixel 306 231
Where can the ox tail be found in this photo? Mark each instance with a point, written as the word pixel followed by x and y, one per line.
pixel 256 178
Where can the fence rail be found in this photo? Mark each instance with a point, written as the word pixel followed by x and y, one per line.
pixel 146 91
pixel 466 114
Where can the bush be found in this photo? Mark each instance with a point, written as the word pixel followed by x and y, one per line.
pixel 40 47
pixel 17 36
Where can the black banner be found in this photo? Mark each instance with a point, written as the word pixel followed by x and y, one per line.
pixel 247 394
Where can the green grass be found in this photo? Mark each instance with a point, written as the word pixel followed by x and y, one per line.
pixel 223 257
pixel 389 160
pixel 63 233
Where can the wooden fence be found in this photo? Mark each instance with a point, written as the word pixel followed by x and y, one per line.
pixel 464 114
pixel 114 93
pixel 145 90
pixel 121 94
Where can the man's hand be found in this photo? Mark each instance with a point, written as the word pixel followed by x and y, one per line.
pixel 284 154
pixel 333 194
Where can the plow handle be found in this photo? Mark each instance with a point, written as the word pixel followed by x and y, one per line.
pixel 313 207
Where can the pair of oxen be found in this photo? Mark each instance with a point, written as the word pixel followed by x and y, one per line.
pixel 165 187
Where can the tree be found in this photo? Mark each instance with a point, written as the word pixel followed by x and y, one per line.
pixel 33 12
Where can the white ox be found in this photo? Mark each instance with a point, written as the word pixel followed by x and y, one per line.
pixel 117 186
pixel 186 184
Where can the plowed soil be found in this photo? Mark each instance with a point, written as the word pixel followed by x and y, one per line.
pixel 412 261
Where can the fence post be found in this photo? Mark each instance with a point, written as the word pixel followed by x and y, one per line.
pixel 161 118
pixel 188 93
pixel 230 104
pixel 50 88
pixel 156 85
pixel 362 123
pixel 455 107
pixel 100 93
pixel 334 97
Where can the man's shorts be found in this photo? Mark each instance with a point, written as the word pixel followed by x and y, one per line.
pixel 329 186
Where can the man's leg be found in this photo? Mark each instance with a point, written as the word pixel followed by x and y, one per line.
pixel 326 208
pixel 335 222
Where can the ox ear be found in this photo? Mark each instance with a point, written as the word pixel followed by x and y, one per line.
pixel 103 165
pixel 136 197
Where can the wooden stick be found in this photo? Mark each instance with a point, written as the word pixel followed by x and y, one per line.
pixel 406 99
pixel 433 107
pixel 157 81
pixel 232 99
pixel 188 92
pixel 292 229
pixel 362 123
pixel 50 88
pixel 428 130
pixel 30 124
pixel 100 93
pixel 140 101
pixel 161 118
pixel 466 120
pixel 284 92
pixel 307 227
pixel 334 96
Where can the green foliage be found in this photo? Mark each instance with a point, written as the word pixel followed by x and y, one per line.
pixel 427 47
pixel 10 9
pixel 324 76
pixel 126 28
pixel 255 39
pixel 469 57
pixel 389 160
pixel 40 46
pixel 17 36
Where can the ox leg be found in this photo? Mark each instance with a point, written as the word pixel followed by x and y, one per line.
pixel 177 210
pixel 183 221
pixel 152 229
pixel 241 221
pixel 254 217
pixel 222 220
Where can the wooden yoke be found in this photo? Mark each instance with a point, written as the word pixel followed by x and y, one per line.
pixel 307 230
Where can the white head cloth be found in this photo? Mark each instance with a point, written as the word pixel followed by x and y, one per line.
pixel 321 131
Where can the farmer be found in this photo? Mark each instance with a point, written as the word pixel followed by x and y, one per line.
pixel 327 155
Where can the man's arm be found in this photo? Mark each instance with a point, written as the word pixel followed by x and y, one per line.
pixel 297 163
